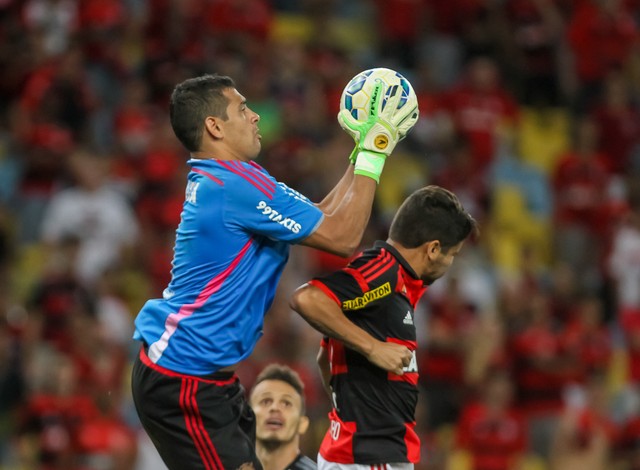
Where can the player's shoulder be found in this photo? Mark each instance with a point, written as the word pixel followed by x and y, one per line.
pixel 302 462
pixel 242 179
pixel 374 263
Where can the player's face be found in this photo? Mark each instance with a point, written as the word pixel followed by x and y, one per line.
pixel 277 406
pixel 241 133
pixel 439 262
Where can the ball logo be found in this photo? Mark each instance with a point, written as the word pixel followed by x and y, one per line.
pixel 381 141
pixel 374 100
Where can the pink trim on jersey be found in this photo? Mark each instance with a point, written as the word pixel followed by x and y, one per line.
pixel 258 172
pixel 267 190
pixel 208 175
pixel 255 175
pixel 171 323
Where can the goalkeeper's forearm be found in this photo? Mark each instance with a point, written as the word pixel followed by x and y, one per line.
pixel 335 196
pixel 341 231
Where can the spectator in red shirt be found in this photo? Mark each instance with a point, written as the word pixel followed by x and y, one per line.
pixel 491 429
pixel 400 23
pixel 601 35
pixel 587 339
pixel 585 434
pixel 534 30
pixel 53 414
pixel 442 361
pixel 580 182
pixel 541 371
pixel 104 440
pixel 632 342
pixel 174 31
pixel 43 169
pixel 618 119
pixel 459 173
pixel 241 19
pixel 101 23
pixel 629 449
pixel 133 121
pixel 57 93
pixel 57 296
pixel 478 107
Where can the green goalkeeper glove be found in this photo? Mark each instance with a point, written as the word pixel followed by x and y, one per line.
pixel 377 136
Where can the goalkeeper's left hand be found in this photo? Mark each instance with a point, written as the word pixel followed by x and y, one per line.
pixel 376 137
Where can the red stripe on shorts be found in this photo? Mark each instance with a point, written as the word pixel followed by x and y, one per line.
pixel 185 405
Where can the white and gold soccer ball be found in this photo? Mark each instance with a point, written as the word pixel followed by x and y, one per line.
pixel 356 96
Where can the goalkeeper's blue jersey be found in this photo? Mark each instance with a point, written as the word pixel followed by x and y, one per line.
pixel 236 226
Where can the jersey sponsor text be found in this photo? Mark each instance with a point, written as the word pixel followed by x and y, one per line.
pixel 361 302
pixel 278 217
pixel 192 191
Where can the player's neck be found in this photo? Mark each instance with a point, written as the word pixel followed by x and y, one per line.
pixel 277 458
pixel 220 151
pixel 413 256
pixel 209 155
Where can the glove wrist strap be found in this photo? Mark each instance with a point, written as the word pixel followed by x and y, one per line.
pixel 369 164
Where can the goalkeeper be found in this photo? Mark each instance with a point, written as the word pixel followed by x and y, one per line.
pixel 232 243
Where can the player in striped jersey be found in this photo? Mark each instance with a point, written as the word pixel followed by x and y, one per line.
pixel 232 243
pixel 365 308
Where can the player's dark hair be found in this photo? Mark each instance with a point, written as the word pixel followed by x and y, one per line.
pixel 192 101
pixel 284 374
pixel 431 213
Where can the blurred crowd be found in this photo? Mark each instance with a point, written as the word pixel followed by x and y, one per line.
pixel 529 348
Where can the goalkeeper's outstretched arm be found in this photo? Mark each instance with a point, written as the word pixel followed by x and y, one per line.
pixel 341 230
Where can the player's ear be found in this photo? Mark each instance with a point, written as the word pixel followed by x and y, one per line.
pixel 303 425
pixel 433 249
pixel 212 127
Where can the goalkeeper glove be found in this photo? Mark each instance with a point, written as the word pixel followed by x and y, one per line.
pixel 377 136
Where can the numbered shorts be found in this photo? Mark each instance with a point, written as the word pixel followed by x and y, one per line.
pixel 195 423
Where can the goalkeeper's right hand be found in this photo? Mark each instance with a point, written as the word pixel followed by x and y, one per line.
pixel 377 136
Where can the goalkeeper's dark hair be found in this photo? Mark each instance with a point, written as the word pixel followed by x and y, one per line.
pixel 284 374
pixel 432 213
pixel 192 101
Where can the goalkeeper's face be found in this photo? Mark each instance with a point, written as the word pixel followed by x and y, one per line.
pixel 241 135
pixel 278 409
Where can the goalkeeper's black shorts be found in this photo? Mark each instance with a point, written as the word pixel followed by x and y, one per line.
pixel 196 423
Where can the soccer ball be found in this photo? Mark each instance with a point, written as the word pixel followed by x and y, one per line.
pixel 356 95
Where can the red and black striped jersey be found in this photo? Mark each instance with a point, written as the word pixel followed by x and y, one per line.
pixel 374 410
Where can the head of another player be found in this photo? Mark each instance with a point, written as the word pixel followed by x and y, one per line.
pixel 212 120
pixel 277 399
pixel 432 224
